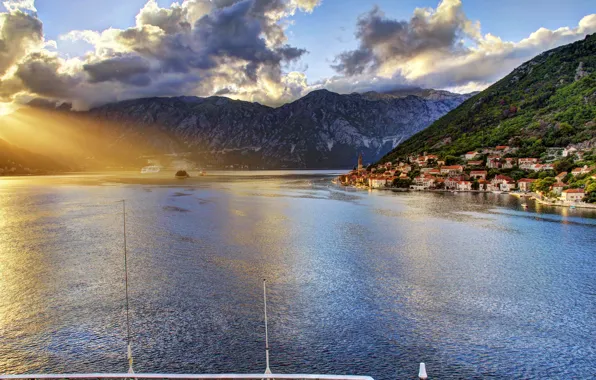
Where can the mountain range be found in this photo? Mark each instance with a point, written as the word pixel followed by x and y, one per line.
pixel 549 101
pixel 321 130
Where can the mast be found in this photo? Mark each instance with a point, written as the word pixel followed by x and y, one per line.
pixel 129 349
pixel 267 369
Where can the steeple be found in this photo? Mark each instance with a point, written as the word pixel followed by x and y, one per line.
pixel 360 161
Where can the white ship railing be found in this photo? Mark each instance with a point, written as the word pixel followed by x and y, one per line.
pixel 231 376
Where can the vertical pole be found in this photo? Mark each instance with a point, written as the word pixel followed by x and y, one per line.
pixel 129 350
pixel 267 369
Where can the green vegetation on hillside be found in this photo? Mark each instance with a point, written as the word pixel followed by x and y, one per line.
pixel 549 101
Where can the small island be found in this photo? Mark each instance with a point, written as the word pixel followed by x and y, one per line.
pixel 181 174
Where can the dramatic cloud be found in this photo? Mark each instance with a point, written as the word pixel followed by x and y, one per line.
pixel 197 47
pixel 239 48
pixel 438 48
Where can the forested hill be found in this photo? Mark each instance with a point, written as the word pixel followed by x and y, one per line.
pixel 546 102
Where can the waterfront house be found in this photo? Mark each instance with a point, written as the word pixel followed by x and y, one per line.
pixel 503 183
pixel 377 182
pixel 558 187
pixel 507 185
pixel 525 184
pixel 403 176
pixel 464 186
pixel 424 181
pixel 451 183
pixel 478 174
pixel 483 184
pixel 573 195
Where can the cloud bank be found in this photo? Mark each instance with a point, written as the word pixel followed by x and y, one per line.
pixel 239 48
pixel 438 48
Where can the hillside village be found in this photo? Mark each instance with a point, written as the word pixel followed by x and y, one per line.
pixel 561 175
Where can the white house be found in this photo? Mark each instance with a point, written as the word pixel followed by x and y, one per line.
pixel 464 186
pixel 526 163
pixel 558 188
pixel 478 174
pixel 569 151
pixel 573 195
pixel 377 182
pixel 525 184
pixel 470 155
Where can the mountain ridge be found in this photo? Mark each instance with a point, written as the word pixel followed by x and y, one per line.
pixel 323 129
pixel 548 101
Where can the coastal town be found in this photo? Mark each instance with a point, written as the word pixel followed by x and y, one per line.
pixel 561 176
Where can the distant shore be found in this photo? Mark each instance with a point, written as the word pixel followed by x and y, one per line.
pixel 532 196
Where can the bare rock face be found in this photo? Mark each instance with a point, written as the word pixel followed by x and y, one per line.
pixel 321 130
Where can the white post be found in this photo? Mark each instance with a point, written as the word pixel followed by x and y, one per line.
pixel 267 369
pixel 422 372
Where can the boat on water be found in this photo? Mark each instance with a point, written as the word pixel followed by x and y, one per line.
pixel 151 169
pixel 524 205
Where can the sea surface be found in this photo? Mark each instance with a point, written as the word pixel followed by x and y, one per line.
pixel 359 282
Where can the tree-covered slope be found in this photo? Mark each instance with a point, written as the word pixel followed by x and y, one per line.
pixel 546 102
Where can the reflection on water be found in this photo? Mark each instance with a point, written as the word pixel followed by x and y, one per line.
pixel 360 282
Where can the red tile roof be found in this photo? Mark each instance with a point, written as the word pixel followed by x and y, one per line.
pixel 574 191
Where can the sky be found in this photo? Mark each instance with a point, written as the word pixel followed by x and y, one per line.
pixel 272 51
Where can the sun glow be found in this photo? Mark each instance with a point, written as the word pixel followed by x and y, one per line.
pixel 6 108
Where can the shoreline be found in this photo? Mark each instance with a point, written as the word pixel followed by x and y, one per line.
pixel 514 194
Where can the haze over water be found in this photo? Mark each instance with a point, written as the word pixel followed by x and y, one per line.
pixel 367 283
